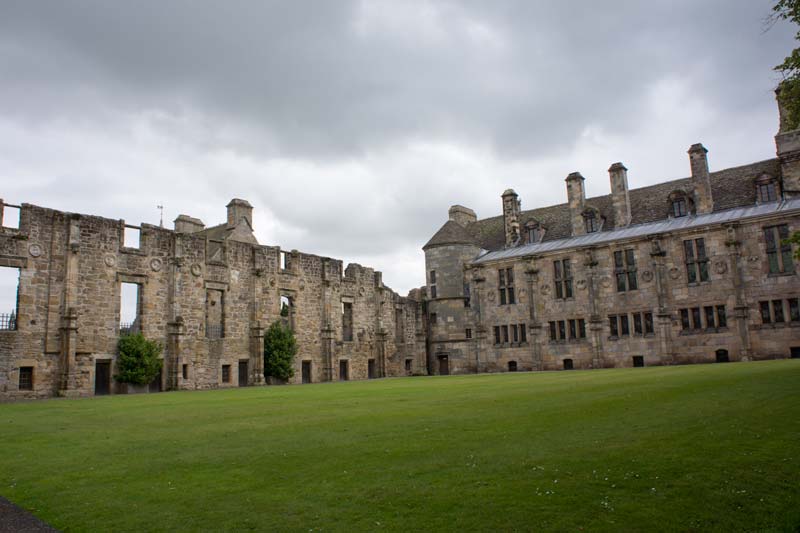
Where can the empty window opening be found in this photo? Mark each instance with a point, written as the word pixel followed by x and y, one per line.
pixel 9 297
pixel 129 309
pixel 638 361
pixel 468 333
pixel 10 216
pixel 408 366
pixel 226 373
pixel 287 311
pixel 26 378
pixel 185 371
pixel 344 370
pixel 568 364
pixel 512 366
pixel 215 314
pixel 284 260
pixel 347 321
pixel 722 356
pixel 132 237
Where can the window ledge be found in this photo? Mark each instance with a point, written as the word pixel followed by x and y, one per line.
pixel 131 251
pixel 780 274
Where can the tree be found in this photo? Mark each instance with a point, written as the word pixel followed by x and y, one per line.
pixel 280 347
pixel 789 95
pixel 138 361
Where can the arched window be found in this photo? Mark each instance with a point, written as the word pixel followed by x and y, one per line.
pixel 766 189
pixel 593 221
pixel 680 204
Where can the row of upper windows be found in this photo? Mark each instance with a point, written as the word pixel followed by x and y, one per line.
pixel 774 311
pixel 506 334
pixel 779 259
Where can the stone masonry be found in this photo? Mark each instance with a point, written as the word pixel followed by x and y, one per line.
pixel 206 294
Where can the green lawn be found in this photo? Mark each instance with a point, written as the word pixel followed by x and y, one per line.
pixel 704 447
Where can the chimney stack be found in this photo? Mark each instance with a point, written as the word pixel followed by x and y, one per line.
pixel 698 160
pixel 239 209
pixel 576 197
pixel 511 211
pixel 461 215
pixel 620 200
pixel 187 224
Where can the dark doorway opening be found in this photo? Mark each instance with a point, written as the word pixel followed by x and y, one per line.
pixel 243 373
pixel 722 356
pixel 371 368
pixel 795 352
pixel 155 385
pixel 444 365
pixel 102 378
pixel 344 370
pixel 512 366
pixel 568 364
pixel 638 361
pixel 306 371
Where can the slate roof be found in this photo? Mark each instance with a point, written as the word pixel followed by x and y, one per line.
pixel 731 188
pixel 451 233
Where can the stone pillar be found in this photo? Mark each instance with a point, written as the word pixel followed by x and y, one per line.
pixel 71 382
pixel 701 181
pixel 534 327
pixel 478 280
pixel 663 314
pixel 741 315
pixel 576 197
pixel 595 320
pixel 256 365
pixel 174 375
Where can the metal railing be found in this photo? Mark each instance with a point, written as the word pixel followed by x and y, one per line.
pixel 8 321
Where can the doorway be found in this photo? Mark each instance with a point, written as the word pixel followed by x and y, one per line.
pixel 512 366
pixel 102 378
pixel 344 370
pixel 371 369
pixel 444 365
pixel 568 364
pixel 306 371
pixel 243 373
pixel 722 356
pixel 795 352
pixel 638 361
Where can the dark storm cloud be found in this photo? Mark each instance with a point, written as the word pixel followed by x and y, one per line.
pixel 353 125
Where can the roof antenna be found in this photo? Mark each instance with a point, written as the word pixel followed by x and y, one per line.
pixel 160 207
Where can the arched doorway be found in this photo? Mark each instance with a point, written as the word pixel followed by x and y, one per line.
pixel 568 364
pixel 722 356
pixel 512 366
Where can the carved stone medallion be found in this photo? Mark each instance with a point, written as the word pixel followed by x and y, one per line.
pixel 490 296
pixel 196 270
pixel 35 250
pixel 581 284
pixel 156 264
pixel 110 260
pixel 674 273
pixel 271 282
pixel 720 267
pixel 647 276
pixel 544 289
pixel 361 291
pixel 605 282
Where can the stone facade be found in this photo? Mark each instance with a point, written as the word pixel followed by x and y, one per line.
pixel 686 271
pixel 206 294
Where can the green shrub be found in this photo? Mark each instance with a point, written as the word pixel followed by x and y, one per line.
pixel 138 361
pixel 280 347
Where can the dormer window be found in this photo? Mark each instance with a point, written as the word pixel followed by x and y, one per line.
pixel 592 221
pixel 534 232
pixel 766 189
pixel 679 207
pixel 680 204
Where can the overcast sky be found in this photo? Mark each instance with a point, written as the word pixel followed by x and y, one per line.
pixel 352 126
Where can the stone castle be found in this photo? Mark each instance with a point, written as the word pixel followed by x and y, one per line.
pixel 691 270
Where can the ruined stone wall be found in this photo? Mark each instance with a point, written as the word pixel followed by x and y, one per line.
pixel 72 267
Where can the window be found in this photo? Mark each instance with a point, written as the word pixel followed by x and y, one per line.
pixel 779 254
pixel 347 321
pixel 514 333
pixel 619 326
pixel 226 373
pixel 9 218
pixel 497 339
pixel 432 277
pixel 9 297
pixel 613 326
pixel 625 270
pixel 553 335
pixel 624 330
pixel 679 207
pixel 766 318
pixel 637 324
pixel 185 371
pixel 709 317
pixel 562 330
pixel 722 319
pixel 505 278
pixel 794 309
pixel 468 333
pixel 535 233
pixel 504 329
pixel 591 221
pixel 408 366
pixel 287 311
pixel 777 311
pixel 26 378
pixel 433 292
pixel 433 319
pixel 130 308
pixel 685 323
pixel 399 326
pixel 284 260
pixel 573 329
pixel 766 190
pixel 563 278
pixel 523 334
pixel 467 296
pixel 131 237
pixel 582 328
pixel 709 312
pixel 696 323
pixel 696 260
pixel 648 323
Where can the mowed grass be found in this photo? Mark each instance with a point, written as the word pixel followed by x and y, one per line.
pixel 706 447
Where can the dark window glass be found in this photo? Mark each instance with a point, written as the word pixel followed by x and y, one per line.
pixel 506 286
pixel 523 333
pixel 722 319
pixel 503 300
pixel 563 278
pixel 777 310
pixel 624 329
pixel 592 224
pixel 468 333
pixel 26 378
pixel 433 276
pixel 505 333
pixel 433 291
pixel 679 208
pixel 794 309
pixel 573 329
pixel 497 334
pixel 685 319
pixel 562 330
pixel 779 254
pixel 765 316
pixel 696 323
pixel 552 331
pixel 511 298
pixel 767 192
pixel 612 324
pixel 696 260
pixel 514 333
pixel 709 311
pixel 467 296
pixel 582 328
pixel 637 323
pixel 648 323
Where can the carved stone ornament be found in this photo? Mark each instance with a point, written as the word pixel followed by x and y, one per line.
pixel 522 292
pixel 35 250
pixel 674 273
pixel 196 270
pixel 545 289
pixel 156 264
pixel 271 282
pixel 605 282
pixel 110 260
pixel 361 291
pixel 302 285
pixel 753 258
pixel 336 287
pixel 581 284
pixel 647 276
pixel 720 267
pixel 490 296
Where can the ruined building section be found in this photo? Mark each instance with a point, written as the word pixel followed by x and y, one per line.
pixel 685 271
pixel 206 294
